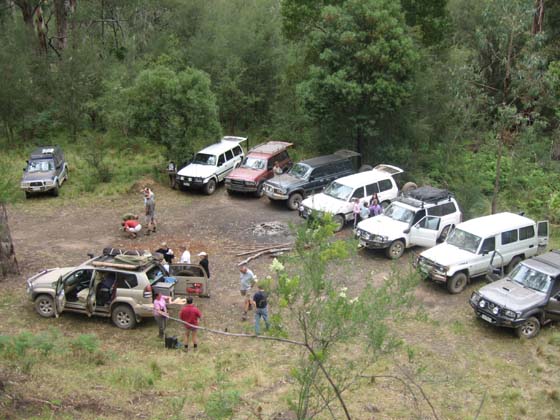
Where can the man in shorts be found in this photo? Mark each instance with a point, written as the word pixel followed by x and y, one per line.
pixel 190 314
pixel 132 227
pixel 247 279
pixel 150 207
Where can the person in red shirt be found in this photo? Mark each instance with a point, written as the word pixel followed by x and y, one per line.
pixel 190 314
pixel 132 226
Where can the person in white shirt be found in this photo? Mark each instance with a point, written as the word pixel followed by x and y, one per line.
pixel 185 256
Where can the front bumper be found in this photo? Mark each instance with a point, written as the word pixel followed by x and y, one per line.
pixel 275 196
pixel 233 186
pixel 430 271
pixel 370 241
pixel 36 187
pixel 190 182
pixel 497 320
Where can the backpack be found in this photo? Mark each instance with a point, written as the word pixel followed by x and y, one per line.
pixel 171 342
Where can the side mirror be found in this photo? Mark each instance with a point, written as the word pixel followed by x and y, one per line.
pixel 407 230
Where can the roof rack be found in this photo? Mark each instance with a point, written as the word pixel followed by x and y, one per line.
pixel 123 259
pixel 425 195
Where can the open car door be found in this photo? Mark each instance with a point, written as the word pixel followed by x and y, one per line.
pixel 59 297
pixel 191 279
pixel 542 234
pixel 425 232
pixel 92 294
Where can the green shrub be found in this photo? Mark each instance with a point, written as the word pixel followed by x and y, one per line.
pixel 221 404
pixel 134 378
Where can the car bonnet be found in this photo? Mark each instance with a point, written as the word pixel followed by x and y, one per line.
pixel 512 295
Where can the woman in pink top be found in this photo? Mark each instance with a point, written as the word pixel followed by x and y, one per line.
pixel 356 211
pixel 160 312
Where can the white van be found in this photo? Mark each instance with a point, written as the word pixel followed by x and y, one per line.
pixel 211 165
pixel 337 198
pixel 503 239
pixel 423 216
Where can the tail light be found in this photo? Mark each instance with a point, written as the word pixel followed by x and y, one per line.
pixel 148 292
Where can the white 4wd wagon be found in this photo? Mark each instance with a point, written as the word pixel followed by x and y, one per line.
pixel 473 245
pixel 211 165
pixel 423 216
pixel 337 198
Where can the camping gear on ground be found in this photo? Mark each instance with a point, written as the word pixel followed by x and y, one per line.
pixel 171 342
pixel 166 289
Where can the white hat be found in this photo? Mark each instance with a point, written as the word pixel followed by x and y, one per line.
pixel 202 254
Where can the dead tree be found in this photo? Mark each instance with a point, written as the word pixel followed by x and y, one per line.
pixel 8 261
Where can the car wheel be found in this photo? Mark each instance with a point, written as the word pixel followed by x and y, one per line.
pixel 365 168
pixel 44 305
pixel 260 190
pixel 339 222
pixel 444 233
pixel 409 186
pixel 395 250
pixel 27 194
pixel 210 187
pixel 55 190
pixel 457 283
pixel 294 201
pixel 529 328
pixel 123 317
pixel 514 261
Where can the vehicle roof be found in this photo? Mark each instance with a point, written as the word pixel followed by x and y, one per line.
pixel 324 160
pixel 225 144
pixel 548 263
pixel 363 178
pixel 45 152
pixel 118 263
pixel 495 223
pixel 425 197
pixel 268 149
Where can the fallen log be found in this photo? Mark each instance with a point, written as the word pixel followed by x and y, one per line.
pixel 262 249
pixel 268 251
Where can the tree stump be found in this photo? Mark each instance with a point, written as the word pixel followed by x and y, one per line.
pixel 8 261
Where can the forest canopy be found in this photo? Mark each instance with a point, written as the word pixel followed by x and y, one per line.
pixel 463 94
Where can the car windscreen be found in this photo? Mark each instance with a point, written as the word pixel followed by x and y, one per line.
pixel 204 159
pixel 532 279
pixel 43 165
pixel 339 191
pixel 300 170
pixel 464 240
pixel 253 163
pixel 399 213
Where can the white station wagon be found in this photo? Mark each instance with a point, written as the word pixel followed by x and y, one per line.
pixel 477 245
pixel 211 165
pixel 337 198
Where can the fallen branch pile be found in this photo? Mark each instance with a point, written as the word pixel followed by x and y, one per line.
pixel 270 250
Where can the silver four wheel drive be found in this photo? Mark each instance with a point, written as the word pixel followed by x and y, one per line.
pixel 45 172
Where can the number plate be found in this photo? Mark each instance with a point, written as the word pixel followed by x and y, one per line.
pixel 186 184
pixel 487 318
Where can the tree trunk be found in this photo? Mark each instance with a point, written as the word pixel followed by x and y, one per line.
pixel 62 9
pixel 8 262
pixel 538 17
pixel 498 172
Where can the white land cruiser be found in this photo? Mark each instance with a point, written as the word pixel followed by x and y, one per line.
pixel 423 216
pixel 211 165
pixel 337 198
pixel 473 245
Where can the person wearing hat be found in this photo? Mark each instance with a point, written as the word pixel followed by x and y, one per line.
pixel 204 262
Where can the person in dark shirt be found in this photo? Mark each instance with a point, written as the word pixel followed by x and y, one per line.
pixel 261 305
pixel 204 262
pixel 166 252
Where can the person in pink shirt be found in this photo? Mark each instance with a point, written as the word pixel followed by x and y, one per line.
pixel 356 210
pixel 160 312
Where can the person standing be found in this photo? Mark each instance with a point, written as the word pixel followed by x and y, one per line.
pixel 190 314
pixel 185 255
pixel 364 211
pixel 150 207
pixel 356 211
pixel 261 309
pixel 375 209
pixel 204 262
pixel 172 172
pixel 160 312
pixel 247 279
pixel 277 170
pixel 166 252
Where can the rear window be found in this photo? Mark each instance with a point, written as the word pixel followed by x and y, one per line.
pixel 237 150
pixel 229 154
pixel 526 233
pixel 126 281
pixel 385 185
pixel 443 209
pixel 509 237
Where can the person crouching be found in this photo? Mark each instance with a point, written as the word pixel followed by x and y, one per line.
pixel 132 227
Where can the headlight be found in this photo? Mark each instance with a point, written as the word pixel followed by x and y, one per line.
pixel 181 178
pixel 482 303
pixel 475 298
pixel 495 310
pixel 510 314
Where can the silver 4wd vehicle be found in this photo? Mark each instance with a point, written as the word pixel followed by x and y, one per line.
pixel 423 216
pixel 526 299
pixel 45 172
pixel 116 286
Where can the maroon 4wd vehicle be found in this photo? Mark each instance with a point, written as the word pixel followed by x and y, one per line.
pixel 258 166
